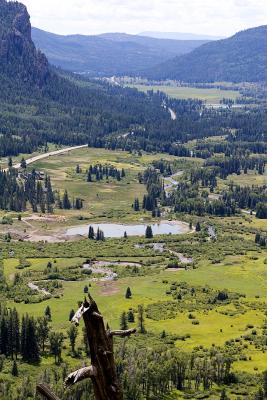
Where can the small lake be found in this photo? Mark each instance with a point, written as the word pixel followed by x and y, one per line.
pixel 117 230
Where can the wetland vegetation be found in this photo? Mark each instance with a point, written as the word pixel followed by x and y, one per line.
pixel 178 173
pixel 203 294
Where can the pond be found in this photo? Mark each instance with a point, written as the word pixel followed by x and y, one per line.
pixel 117 230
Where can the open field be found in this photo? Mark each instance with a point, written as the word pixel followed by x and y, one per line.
pixel 249 179
pixel 107 199
pixel 211 96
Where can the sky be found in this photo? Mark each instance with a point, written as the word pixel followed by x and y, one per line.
pixel 209 17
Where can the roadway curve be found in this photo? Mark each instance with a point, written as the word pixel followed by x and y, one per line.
pixel 49 154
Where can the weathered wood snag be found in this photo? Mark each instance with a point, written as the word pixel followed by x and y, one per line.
pixel 102 371
pixel 45 391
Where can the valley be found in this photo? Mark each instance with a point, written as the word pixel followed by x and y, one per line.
pixel 49 264
pixel 133 188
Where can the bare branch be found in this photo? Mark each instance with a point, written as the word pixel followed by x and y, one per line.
pixel 97 315
pixel 78 315
pixel 45 391
pixel 80 375
pixel 129 332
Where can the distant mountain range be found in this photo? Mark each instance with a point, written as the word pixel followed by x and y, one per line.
pixel 240 58
pixel 179 36
pixel 109 54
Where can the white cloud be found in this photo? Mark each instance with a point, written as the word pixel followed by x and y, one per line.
pixel 214 17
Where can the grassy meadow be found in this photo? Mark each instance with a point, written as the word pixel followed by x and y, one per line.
pixel 244 274
pixel 233 263
pixel 211 96
pixel 108 199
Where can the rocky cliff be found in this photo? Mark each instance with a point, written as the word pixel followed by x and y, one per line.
pixel 18 55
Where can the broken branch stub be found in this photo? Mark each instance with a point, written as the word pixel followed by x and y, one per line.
pixel 120 333
pixel 45 391
pixel 80 375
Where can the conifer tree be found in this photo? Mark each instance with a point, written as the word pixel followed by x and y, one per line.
pixel 128 293
pixel 257 237
pixel 78 204
pixel 13 333
pixel 49 190
pixel 198 227
pixel 23 163
pixel 123 322
pixel 141 319
pixel 48 314
pixel 136 206
pixel 118 176
pixel 3 335
pixel 72 334
pixel 56 341
pixel 91 233
pixel 149 232
pixel 23 335
pixel 130 316
pixel 29 344
pixel 43 330
pixel 66 202
pixel 100 235
pixel 14 370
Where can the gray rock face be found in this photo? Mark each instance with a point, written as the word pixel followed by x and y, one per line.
pixel 18 55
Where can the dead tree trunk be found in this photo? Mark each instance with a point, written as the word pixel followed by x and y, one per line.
pixel 46 392
pixel 103 369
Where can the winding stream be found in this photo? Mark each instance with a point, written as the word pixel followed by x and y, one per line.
pixel 33 286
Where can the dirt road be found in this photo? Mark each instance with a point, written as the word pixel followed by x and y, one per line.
pixel 49 154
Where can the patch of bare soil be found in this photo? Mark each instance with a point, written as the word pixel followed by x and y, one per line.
pixel 44 238
pixel 108 288
pixel 45 218
pixel 174 269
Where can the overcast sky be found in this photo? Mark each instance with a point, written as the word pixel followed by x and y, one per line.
pixel 212 17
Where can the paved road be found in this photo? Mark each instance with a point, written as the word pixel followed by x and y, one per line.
pixel 50 154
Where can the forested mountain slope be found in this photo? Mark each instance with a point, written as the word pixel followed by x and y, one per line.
pixel 37 104
pixel 109 54
pixel 179 35
pixel 240 58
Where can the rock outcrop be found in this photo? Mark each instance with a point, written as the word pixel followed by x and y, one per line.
pixel 18 55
